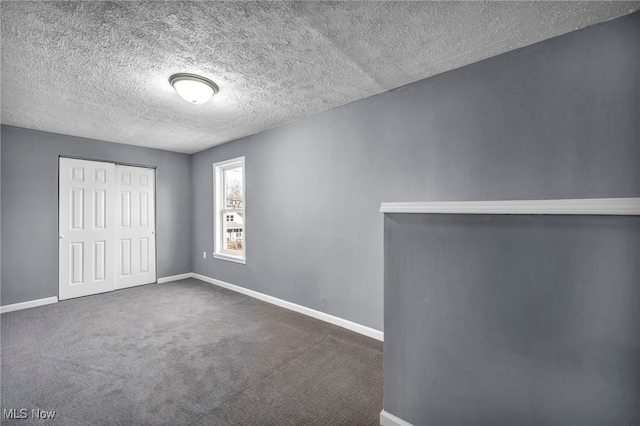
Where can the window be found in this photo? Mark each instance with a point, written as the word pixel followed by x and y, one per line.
pixel 228 208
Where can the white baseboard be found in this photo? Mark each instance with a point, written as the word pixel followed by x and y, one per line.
pixel 341 322
pixel 358 328
pixel 388 419
pixel 27 305
pixel 175 278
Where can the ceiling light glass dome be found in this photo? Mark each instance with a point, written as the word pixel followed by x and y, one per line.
pixel 193 88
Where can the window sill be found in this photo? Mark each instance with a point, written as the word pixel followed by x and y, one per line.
pixel 230 258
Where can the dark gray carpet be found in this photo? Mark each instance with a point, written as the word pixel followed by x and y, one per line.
pixel 186 353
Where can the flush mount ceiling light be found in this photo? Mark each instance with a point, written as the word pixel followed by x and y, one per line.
pixel 193 88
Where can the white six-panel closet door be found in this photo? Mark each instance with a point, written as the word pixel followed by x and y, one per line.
pixel 86 227
pixel 135 226
pixel 106 227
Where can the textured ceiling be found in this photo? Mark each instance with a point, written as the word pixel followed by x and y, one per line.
pixel 100 69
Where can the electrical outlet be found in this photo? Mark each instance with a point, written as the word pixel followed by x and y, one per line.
pixel 323 302
pixel 204 254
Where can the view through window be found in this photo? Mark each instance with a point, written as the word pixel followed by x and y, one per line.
pixel 234 203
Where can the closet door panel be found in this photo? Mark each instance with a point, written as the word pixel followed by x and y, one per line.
pixel 135 187
pixel 86 228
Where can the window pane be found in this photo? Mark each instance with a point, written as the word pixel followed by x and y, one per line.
pixel 233 188
pixel 233 229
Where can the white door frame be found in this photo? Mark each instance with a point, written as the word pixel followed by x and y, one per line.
pixel 154 206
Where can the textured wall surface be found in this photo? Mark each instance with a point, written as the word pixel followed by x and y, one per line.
pixel 512 320
pixel 30 207
pixel 558 119
pixel 100 69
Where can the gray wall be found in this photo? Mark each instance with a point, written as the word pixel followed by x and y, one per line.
pixel 512 320
pixel 558 119
pixel 0 220
pixel 30 207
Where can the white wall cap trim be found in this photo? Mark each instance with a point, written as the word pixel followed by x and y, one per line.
pixel 341 322
pixel 388 419
pixel 28 304
pixel 581 206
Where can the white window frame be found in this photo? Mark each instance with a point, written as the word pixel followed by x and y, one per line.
pixel 220 211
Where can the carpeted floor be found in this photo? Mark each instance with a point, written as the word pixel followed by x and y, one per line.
pixel 185 353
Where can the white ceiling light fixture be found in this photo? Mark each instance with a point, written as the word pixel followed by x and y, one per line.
pixel 193 88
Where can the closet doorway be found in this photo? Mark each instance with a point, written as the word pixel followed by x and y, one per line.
pixel 106 214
